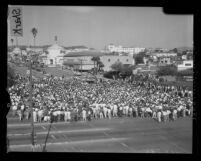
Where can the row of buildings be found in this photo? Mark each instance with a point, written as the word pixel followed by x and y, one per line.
pixel 81 57
pixel 121 49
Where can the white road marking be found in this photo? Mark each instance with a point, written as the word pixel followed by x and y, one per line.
pixel 43 127
pixel 124 144
pixel 73 142
pixel 53 136
pixel 60 132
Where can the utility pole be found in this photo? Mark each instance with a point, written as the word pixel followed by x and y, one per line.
pixel 34 32
pixel 33 139
pixel 81 60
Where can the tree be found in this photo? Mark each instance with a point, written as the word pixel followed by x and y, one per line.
pixel 175 50
pixel 117 66
pixel 100 65
pixel 167 70
pixel 71 64
pixel 95 59
pixel 10 76
pixel 34 31
pixel 119 69
pixel 139 59
pixel 187 72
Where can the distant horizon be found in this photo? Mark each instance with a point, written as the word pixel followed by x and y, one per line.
pixel 98 49
pixel 97 27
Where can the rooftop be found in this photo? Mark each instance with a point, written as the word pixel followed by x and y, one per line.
pixel 84 53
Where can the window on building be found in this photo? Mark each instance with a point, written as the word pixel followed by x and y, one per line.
pixel 188 64
pixel 127 60
pixel 51 61
pixel 108 60
pixel 165 61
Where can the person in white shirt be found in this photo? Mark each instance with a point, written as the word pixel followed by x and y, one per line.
pixel 174 115
pixel 19 112
pixel 101 112
pixel 115 110
pixel 14 109
pixel 40 115
pixel 159 116
pixel 65 116
pixel 84 115
pixel 105 111
pixel 126 110
pixel 168 112
pixel 68 115
pixel 34 115
pixel 184 111
pixel 130 112
pixel 164 115
pixel 109 113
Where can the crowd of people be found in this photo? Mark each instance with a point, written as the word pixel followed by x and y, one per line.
pixel 59 99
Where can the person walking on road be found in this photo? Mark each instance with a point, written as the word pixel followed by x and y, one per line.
pixel 84 115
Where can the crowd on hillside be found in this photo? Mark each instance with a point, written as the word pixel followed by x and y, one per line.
pixel 58 99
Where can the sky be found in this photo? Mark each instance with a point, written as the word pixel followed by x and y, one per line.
pixel 96 27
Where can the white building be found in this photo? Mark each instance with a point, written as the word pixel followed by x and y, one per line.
pixel 186 64
pixel 129 50
pixel 163 54
pixel 54 55
pixel 75 49
pixel 88 64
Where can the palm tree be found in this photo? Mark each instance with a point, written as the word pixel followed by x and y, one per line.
pixel 100 65
pixel 34 31
pixel 95 59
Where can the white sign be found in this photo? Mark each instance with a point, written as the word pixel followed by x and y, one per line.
pixel 16 26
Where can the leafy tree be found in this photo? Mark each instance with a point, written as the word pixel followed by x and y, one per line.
pixel 100 65
pixel 10 76
pixel 139 58
pixel 124 70
pixel 95 59
pixel 117 66
pixel 175 50
pixel 188 72
pixel 167 70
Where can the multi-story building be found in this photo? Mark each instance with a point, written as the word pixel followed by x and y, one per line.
pixel 186 64
pixel 75 49
pixel 121 49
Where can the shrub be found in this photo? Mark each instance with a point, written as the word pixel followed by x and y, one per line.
pixel 10 76
pixel 167 70
pixel 110 74
pixel 188 72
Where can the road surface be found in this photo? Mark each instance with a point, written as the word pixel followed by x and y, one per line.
pixel 122 135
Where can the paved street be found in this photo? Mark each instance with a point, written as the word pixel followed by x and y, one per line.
pixel 116 135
